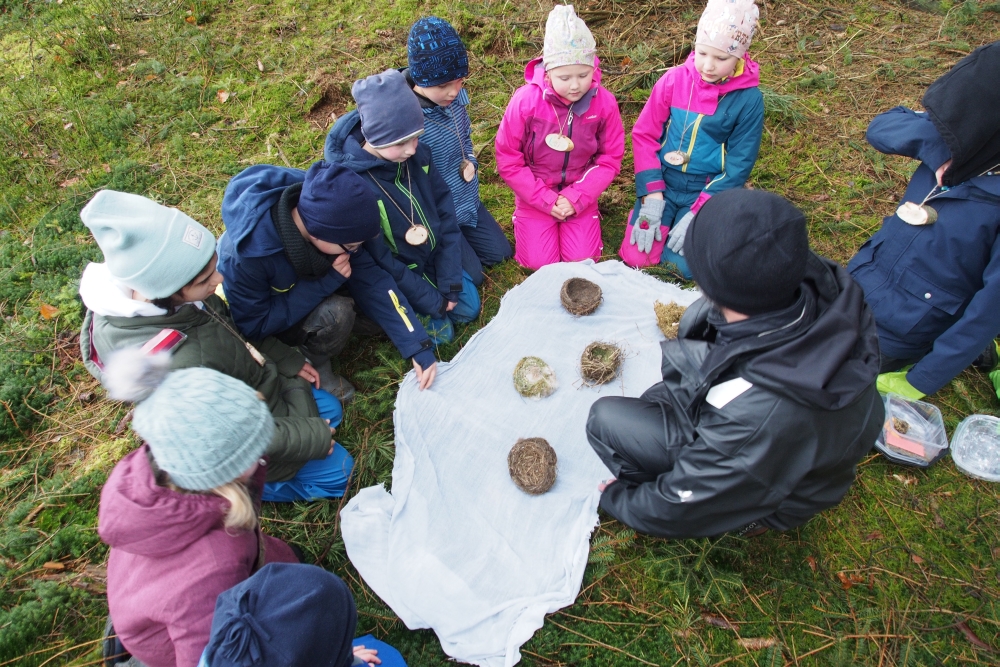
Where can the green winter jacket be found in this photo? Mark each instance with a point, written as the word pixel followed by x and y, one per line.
pixel 300 435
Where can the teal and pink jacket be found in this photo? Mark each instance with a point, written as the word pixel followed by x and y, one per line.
pixel 538 174
pixel 719 126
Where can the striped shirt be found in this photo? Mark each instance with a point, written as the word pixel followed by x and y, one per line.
pixel 448 133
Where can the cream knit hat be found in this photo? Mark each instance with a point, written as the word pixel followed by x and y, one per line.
pixel 728 25
pixel 567 39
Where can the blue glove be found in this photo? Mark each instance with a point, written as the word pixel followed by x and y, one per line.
pixel 896 383
pixel 675 239
pixel 646 227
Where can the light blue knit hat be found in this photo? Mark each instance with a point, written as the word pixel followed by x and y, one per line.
pixel 154 249
pixel 204 428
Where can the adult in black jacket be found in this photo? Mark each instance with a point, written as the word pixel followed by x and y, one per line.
pixel 768 397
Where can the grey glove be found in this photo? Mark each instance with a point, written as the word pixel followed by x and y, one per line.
pixel 675 239
pixel 650 212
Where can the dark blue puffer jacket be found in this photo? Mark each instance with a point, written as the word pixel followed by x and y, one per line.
pixel 934 289
pixel 264 293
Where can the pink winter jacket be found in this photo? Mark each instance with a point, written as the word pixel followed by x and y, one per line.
pixel 170 558
pixel 538 174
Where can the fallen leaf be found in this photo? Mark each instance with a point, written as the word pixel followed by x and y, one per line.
pixel 874 535
pixel 150 77
pixel 123 423
pixel 848 581
pixel 822 197
pixel 905 480
pixel 223 95
pixel 260 65
pixel 195 135
pixel 121 83
pixel 47 311
pixel 812 563
pixel 86 397
pixel 190 19
pixel 757 643
pixel 54 565
pixel 717 621
pixel 68 126
pixel 916 559
pixel 971 636
pixel 107 168
pixel 626 61
pixel 142 52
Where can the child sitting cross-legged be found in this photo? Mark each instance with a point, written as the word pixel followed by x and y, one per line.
pixel 379 141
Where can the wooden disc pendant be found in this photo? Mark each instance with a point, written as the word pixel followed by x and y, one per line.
pixel 917 214
pixel 416 235
pixel 467 170
pixel 559 142
pixel 677 158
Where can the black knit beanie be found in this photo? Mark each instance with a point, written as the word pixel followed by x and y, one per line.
pixel 747 250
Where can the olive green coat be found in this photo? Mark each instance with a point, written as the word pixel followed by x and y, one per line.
pixel 300 434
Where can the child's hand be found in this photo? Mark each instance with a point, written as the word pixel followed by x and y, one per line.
pixel 425 376
pixel 605 484
pixel 451 306
pixel 343 264
pixel 369 655
pixel 941 171
pixel 557 212
pixel 566 206
pixel 309 374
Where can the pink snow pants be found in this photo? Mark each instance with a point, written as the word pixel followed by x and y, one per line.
pixel 540 239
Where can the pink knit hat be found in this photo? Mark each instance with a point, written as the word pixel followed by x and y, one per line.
pixel 728 25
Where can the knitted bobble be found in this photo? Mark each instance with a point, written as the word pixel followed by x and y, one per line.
pixel 132 375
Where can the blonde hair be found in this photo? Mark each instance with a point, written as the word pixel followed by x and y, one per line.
pixel 241 515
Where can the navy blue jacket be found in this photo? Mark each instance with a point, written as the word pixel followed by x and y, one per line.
pixel 438 262
pixel 934 289
pixel 267 297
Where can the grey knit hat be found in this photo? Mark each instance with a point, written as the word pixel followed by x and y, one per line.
pixel 204 428
pixel 390 113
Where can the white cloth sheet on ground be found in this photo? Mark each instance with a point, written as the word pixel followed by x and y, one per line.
pixel 456 546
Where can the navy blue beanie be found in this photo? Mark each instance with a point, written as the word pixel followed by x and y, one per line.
pixel 337 206
pixel 390 113
pixel 285 614
pixel 435 52
pixel 747 250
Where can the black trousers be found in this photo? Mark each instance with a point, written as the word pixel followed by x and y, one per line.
pixel 633 437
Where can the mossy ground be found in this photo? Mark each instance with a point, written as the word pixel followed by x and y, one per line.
pixel 170 99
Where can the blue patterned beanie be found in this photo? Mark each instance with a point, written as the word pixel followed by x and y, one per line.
pixel 435 53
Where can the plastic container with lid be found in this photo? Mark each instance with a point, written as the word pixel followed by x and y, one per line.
pixel 975 447
pixel 913 433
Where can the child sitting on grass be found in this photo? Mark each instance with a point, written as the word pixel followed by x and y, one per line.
pixel 379 141
pixel 559 146
pixel 180 512
pixel 438 67
pixel 697 135
pixel 156 289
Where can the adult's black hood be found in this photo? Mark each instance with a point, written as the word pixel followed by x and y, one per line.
pixel 834 359
pixel 963 106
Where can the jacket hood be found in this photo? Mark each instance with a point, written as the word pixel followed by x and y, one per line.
pixel 748 78
pixel 534 74
pixel 963 107
pixel 344 146
pixel 105 296
pixel 140 517
pixel 247 202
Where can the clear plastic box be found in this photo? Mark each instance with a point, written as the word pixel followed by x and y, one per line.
pixel 913 433
pixel 975 447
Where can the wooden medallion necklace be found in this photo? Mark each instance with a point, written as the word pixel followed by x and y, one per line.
pixel 678 157
pixel 560 142
pixel 466 168
pixel 923 213
pixel 416 234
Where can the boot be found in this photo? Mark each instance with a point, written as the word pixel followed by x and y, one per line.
pixel 329 381
pixel 987 361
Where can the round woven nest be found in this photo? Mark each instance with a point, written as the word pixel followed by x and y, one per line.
pixel 532 465
pixel 580 297
pixel 533 378
pixel 668 317
pixel 600 363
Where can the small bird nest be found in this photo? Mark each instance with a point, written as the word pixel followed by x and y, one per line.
pixel 668 318
pixel 532 465
pixel 580 297
pixel 533 378
pixel 600 363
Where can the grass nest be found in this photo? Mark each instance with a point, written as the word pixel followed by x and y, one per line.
pixel 533 378
pixel 580 297
pixel 668 317
pixel 532 465
pixel 600 363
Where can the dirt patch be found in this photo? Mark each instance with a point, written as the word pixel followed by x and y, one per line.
pixel 532 465
pixel 333 102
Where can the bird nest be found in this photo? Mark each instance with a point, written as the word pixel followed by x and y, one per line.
pixel 580 297
pixel 668 317
pixel 601 363
pixel 532 465
pixel 533 378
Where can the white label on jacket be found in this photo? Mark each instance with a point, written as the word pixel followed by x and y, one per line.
pixel 720 395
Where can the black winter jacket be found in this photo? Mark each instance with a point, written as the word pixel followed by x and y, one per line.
pixel 787 446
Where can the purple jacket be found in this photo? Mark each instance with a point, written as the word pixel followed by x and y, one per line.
pixel 170 558
pixel 538 174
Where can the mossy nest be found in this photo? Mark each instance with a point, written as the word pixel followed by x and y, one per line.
pixel 600 363
pixel 532 465
pixel 580 297
pixel 533 378
pixel 668 317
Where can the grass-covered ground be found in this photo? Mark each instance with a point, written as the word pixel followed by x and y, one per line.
pixel 169 99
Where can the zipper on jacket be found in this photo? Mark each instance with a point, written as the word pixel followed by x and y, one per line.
pixel 569 133
pixel 401 311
